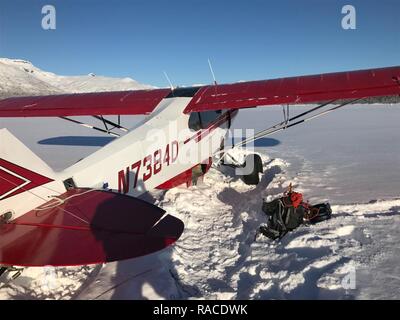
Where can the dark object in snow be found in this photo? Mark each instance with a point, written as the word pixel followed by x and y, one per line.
pixel 2 270
pixel 284 214
pixel 319 212
pixel 288 212
pixel 17 272
pixel 253 161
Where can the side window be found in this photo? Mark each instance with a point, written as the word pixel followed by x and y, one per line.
pixel 207 117
pixel 194 121
pixel 201 120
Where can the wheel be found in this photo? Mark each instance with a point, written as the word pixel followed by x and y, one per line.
pixel 253 178
pixel 5 217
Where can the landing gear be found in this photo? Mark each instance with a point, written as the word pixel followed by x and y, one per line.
pixel 9 269
pixel 252 162
pixel 249 170
pixel 2 270
pixel 6 217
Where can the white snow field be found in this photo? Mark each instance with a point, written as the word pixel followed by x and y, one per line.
pixel 349 158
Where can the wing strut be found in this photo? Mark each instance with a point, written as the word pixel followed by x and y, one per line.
pixel 115 125
pixel 288 123
pixel 91 127
pixel 105 123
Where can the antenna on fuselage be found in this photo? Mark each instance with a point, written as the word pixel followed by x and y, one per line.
pixel 212 72
pixel 169 81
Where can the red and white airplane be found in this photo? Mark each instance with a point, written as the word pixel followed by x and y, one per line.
pixel 90 212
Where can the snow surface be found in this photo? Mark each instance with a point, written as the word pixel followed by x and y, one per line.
pixel 350 158
pixel 218 257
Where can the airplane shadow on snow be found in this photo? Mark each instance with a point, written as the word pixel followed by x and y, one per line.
pixel 150 271
pixel 99 141
pixel 266 142
pixel 81 141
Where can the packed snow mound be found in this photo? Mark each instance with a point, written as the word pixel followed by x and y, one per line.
pixel 220 256
pixel 19 78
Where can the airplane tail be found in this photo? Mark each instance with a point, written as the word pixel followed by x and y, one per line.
pixel 51 223
pixel 20 168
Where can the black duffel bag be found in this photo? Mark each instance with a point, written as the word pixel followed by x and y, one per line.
pixel 287 213
pixel 317 213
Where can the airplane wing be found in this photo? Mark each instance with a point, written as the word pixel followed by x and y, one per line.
pixel 89 227
pixel 298 90
pixel 84 104
pixel 293 90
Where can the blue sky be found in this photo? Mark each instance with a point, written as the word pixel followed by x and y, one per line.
pixel 246 40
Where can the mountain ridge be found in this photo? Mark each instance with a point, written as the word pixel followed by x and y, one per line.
pixel 21 78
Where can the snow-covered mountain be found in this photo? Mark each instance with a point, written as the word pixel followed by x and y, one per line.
pixel 19 78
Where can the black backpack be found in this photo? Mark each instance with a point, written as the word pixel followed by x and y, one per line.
pixel 282 217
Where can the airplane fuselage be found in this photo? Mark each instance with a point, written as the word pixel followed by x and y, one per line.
pixel 156 153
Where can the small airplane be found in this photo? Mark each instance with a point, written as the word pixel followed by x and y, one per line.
pixel 91 213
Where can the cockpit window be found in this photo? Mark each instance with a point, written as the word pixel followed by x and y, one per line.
pixel 201 120
pixel 194 121
pixel 207 117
